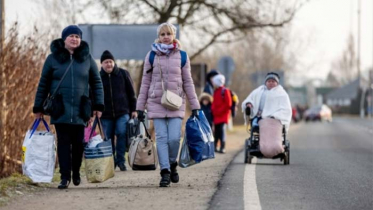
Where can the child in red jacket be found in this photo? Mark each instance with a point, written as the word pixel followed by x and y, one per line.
pixel 221 108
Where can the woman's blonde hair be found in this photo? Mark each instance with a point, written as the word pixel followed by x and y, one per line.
pixel 167 27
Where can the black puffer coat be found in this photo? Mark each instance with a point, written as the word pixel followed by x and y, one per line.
pixel 119 93
pixel 83 74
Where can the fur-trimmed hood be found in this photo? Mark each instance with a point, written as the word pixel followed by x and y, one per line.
pixel 205 96
pixel 61 54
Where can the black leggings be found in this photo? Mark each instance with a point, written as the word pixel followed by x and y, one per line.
pixel 69 149
pixel 219 134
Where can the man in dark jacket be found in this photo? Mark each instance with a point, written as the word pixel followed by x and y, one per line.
pixel 120 103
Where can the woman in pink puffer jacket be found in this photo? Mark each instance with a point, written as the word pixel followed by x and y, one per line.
pixel 177 79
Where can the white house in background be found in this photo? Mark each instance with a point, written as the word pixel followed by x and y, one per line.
pixel 344 96
pixel 346 99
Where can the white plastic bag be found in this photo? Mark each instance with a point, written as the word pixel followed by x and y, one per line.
pixel 39 153
pixel 94 141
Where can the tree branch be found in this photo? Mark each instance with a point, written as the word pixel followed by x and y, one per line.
pixel 229 30
pixel 152 6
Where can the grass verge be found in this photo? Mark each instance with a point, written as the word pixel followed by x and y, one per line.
pixel 17 185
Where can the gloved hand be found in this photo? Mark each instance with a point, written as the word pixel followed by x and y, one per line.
pixel 195 113
pixel 140 115
pixel 248 111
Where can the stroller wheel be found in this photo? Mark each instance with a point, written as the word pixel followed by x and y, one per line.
pixel 249 159
pixel 247 156
pixel 287 156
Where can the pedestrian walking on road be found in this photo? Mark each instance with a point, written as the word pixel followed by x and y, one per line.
pixel 120 105
pixel 176 77
pixel 221 109
pixel 70 55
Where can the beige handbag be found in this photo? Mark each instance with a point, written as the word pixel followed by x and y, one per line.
pixel 170 100
pixel 142 154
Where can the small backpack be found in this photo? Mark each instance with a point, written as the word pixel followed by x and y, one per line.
pixel 234 104
pixel 152 55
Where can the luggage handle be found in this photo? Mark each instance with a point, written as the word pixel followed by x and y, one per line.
pixel 35 125
pixel 96 122
pixel 146 130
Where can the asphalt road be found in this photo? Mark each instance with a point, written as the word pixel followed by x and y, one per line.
pixel 331 167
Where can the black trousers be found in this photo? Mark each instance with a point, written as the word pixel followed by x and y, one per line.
pixel 69 149
pixel 219 134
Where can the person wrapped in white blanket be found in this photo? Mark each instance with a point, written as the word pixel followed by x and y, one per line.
pixel 269 101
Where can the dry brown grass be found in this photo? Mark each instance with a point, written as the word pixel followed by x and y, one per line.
pixel 21 61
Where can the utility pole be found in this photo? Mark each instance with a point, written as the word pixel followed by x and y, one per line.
pixel 361 85
pixel 358 37
pixel 370 86
pixel 2 24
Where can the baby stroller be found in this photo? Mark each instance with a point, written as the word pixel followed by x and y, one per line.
pixel 252 143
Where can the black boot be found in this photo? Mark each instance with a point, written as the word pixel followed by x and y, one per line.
pixel 222 147
pixel 165 181
pixel 76 178
pixel 174 175
pixel 64 184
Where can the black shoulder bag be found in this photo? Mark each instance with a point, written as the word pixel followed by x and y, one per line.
pixel 53 104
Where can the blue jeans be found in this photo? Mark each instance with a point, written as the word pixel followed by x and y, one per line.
pixel 168 135
pixel 117 127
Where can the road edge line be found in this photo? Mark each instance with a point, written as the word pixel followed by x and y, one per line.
pixel 218 187
pixel 250 189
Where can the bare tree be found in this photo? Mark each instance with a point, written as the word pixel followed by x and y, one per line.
pixel 204 22
pixel 332 80
pixel 344 68
pixel 55 15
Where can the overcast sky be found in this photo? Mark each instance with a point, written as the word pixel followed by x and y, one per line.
pixel 324 24
pixel 329 22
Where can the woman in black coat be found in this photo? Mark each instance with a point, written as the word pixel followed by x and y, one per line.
pixel 70 54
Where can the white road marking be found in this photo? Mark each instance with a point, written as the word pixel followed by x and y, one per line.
pixel 250 190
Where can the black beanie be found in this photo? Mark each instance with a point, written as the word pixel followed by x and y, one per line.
pixel 107 55
pixel 71 29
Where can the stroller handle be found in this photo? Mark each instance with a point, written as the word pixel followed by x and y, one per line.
pixel 247 111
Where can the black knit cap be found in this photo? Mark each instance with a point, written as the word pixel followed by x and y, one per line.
pixel 71 29
pixel 107 55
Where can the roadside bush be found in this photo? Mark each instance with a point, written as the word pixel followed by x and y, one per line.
pixel 21 60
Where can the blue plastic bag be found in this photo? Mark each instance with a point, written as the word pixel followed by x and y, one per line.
pixel 209 147
pixel 199 138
